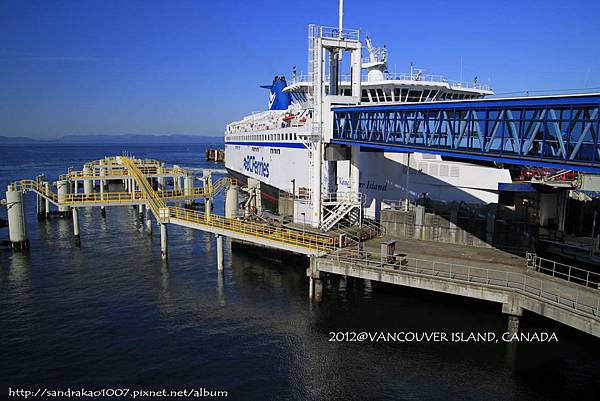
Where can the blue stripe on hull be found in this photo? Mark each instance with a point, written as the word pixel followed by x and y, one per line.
pixel 270 144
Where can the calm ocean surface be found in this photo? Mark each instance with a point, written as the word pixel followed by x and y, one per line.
pixel 111 314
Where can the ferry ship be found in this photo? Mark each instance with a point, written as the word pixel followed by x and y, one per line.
pixel 287 147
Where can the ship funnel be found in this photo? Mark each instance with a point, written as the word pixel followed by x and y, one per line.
pixel 278 99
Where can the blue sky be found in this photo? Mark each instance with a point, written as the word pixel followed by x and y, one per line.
pixel 162 67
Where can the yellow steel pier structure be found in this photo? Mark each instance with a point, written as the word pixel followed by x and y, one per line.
pixel 137 175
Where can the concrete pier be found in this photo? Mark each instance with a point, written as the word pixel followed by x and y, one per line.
pixel 207 209
pixel 47 192
pixel 514 312
pixel 188 187
pixel 62 188
pixel 219 253
pixel 315 282
pixel 164 254
pixel 87 184
pixel 492 278
pixel 231 202
pixel 40 201
pixel 318 283
pixel 149 221
pixel 76 227
pixel 17 225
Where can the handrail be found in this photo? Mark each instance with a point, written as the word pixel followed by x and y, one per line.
pixel 154 201
pixel 520 282
pixel 343 196
pixel 263 231
pixel 563 271
pixel 122 172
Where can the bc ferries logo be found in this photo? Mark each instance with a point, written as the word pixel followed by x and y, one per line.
pixel 252 165
pixel 271 99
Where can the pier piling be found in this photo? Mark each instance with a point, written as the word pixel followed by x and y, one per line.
pixel 315 283
pixel 87 184
pixel 76 227
pixel 40 201
pixel 149 221
pixel 62 188
pixel 188 187
pixel 220 253
pixel 514 312
pixel 163 241
pixel 17 225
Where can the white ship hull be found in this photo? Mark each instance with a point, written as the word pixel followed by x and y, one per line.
pixel 383 175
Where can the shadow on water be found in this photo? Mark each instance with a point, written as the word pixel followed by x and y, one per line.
pixel 421 370
pixel 111 313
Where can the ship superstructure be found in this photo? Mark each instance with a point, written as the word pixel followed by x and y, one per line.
pixel 287 149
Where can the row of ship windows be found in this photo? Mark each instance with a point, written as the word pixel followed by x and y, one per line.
pixel 264 137
pixel 399 95
pixel 407 95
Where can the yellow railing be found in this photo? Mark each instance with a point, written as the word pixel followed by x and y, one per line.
pixel 219 185
pixel 121 172
pixel 263 231
pixel 156 201
pixel 70 198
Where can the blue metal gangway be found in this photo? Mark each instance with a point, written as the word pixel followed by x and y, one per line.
pixel 552 131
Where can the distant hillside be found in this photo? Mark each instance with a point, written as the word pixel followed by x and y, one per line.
pixel 115 139
pixel 12 140
pixel 145 139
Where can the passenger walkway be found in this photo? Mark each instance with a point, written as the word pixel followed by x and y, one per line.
pixel 553 131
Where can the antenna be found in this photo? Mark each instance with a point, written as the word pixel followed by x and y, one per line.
pixel 341 17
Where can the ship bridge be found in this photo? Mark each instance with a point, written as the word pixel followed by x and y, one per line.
pixel 549 131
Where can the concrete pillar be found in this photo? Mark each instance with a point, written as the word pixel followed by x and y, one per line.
pixel 101 187
pixel 75 187
pixel 76 227
pixel 62 188
pixel 103 211
pixel 208 209
pixel 87 184
pixel 161 180
pixel 231 202
pixel 47 192
pixel 318 283
pixel 514 312
pixel 419 221
pixel 102 182
pixel 141 211
pixel 40 201
pixel 188 187
pixel 163 241
pixel 17 225
pixel 513 326
pixel 219 253
pixel 315 283
pixel 148 221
